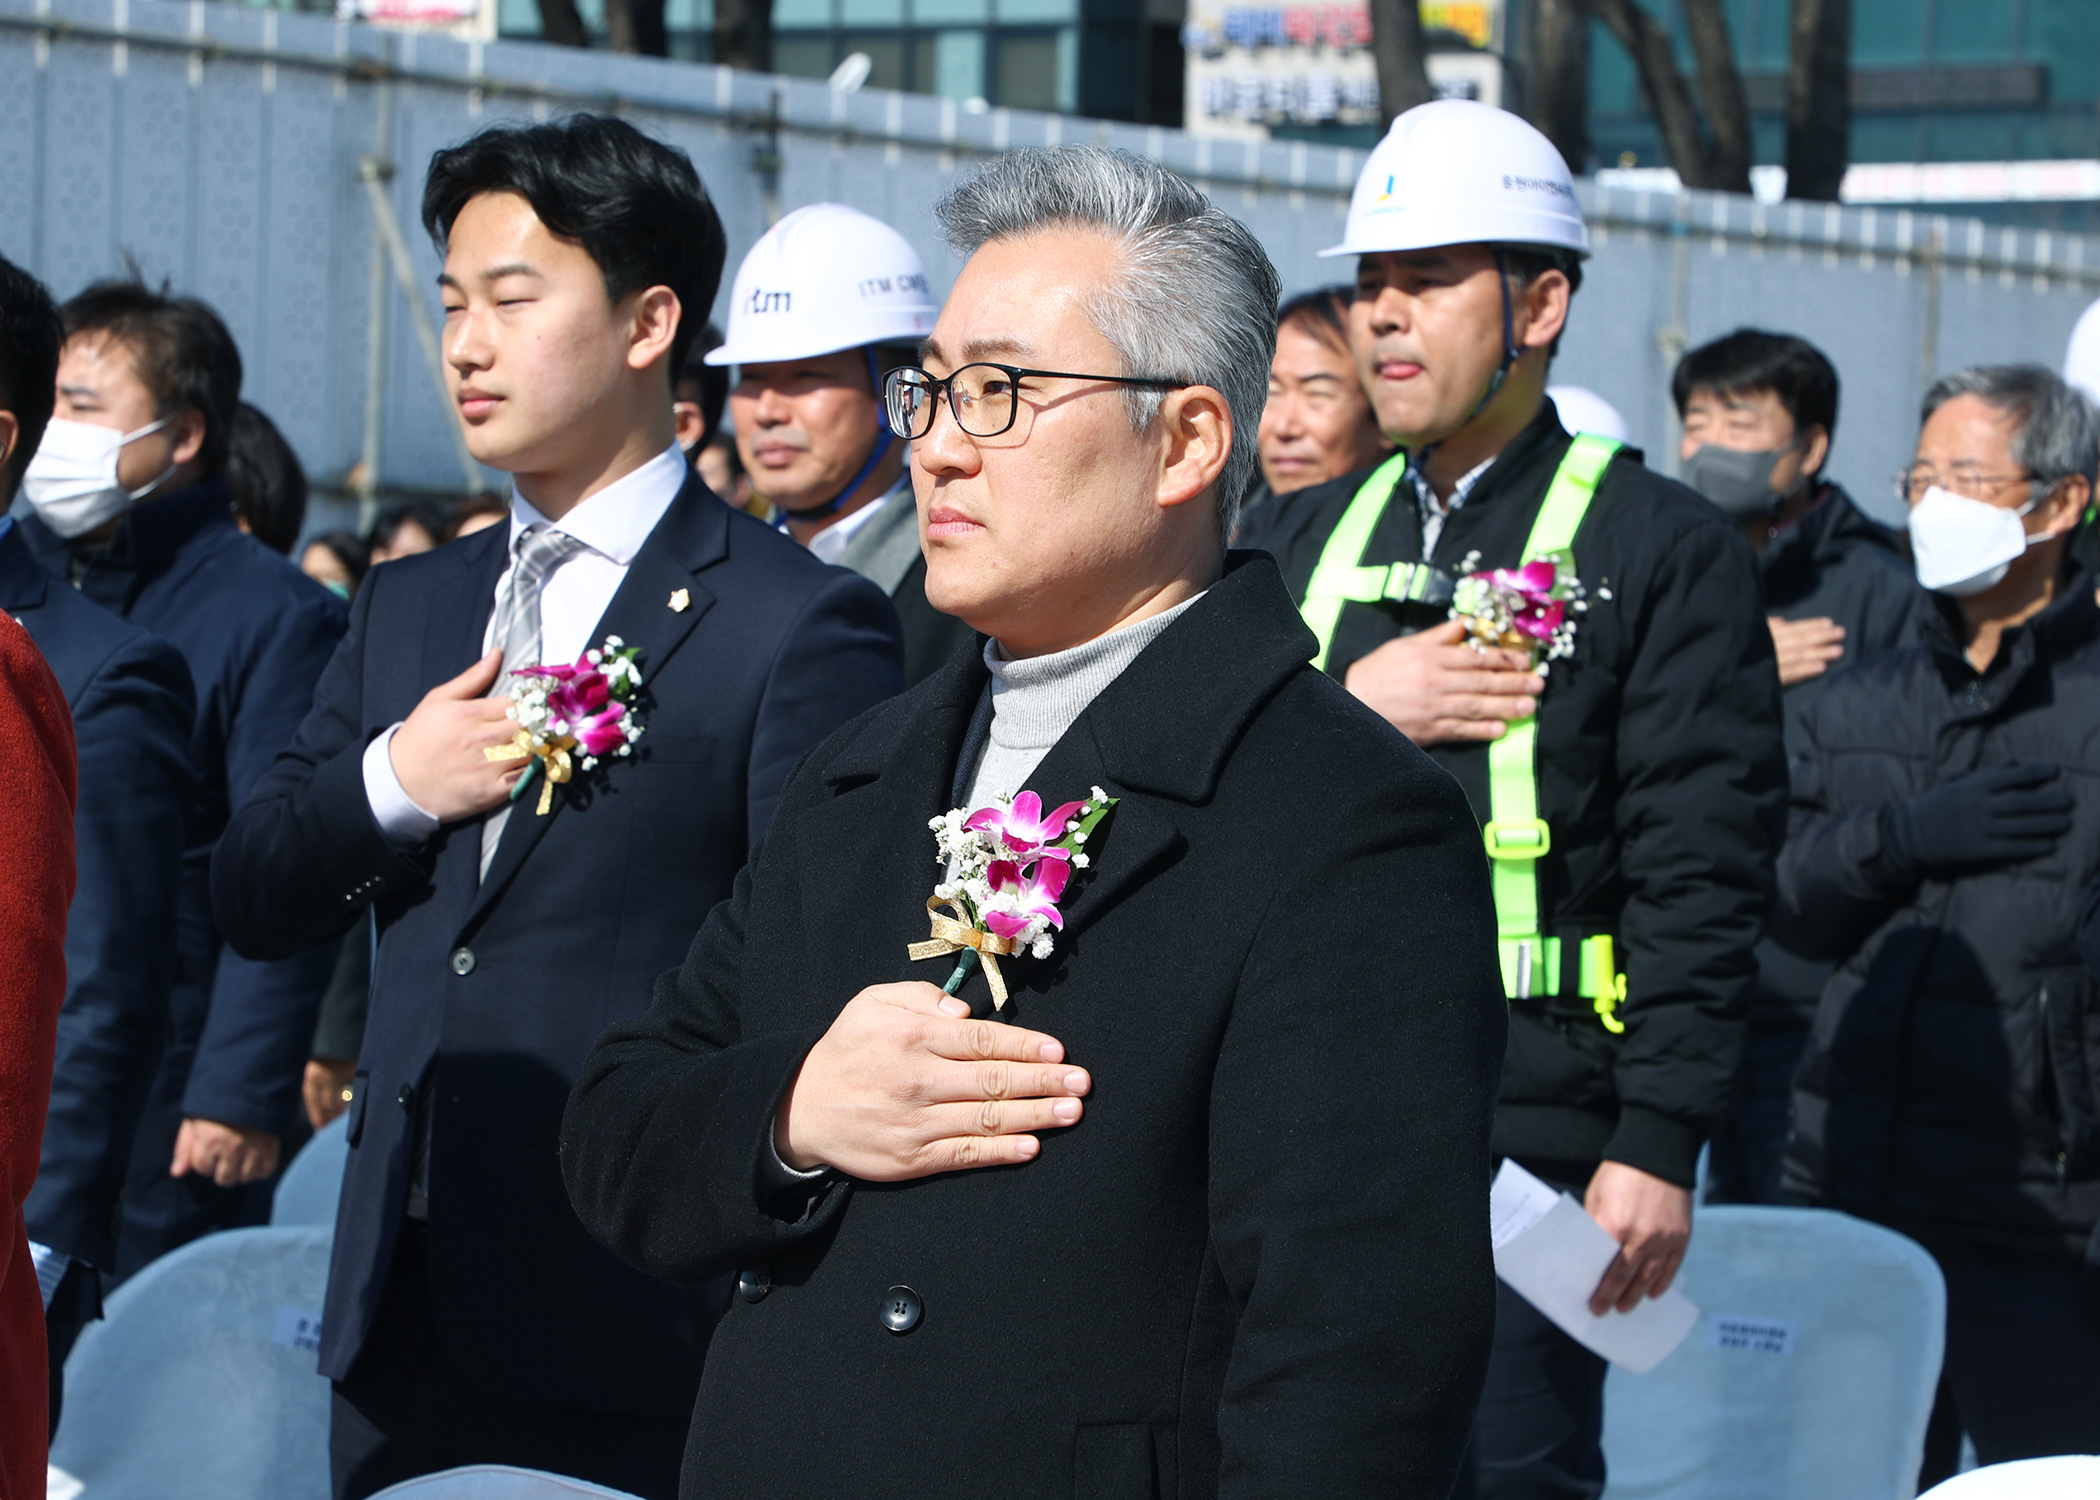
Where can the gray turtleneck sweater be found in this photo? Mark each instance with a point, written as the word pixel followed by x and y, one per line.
pixel 1034 701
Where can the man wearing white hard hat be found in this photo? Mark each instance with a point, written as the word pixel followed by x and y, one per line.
pixel 828 302
pixel 1581 644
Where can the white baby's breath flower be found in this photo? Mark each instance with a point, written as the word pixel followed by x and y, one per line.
pixel 1080 861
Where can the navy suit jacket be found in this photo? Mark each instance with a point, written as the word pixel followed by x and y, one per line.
pixel 256 633
pixel 132 712
pixel 487 996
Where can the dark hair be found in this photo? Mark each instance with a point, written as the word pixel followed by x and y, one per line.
pixel 1323 313
pixel 30 338
pixel 179 348
pixel 480 503
pixel 635 205
pixel 1751 360
pixel 1530 262
pixel 264 480
pixel 394 517
pixel 713 380
pixel 349 551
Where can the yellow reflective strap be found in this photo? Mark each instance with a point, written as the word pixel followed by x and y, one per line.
pixel 1340 577
pixel 1515 835
pixel 1531 961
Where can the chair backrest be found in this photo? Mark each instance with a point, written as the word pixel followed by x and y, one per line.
pixel 200 1381
pixel 495 1482
pixel 2076 1477
pixel 1811 1370
pixel 312 1184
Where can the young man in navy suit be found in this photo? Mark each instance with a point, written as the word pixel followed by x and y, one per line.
pixel 133 710
pixel 469 1317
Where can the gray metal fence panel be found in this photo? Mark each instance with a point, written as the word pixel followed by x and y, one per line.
pixel 221 148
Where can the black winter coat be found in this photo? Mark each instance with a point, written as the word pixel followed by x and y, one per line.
pixel 1840 564
pixel 1258 1266
pixel 1949 1084
pixel 1661 774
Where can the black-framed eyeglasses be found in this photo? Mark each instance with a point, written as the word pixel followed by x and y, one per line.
pixel 983 398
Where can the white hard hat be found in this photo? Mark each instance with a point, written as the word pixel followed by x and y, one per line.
pixel 825 278
pixel 2082 359
pixel 1456 172
pixel 1583 410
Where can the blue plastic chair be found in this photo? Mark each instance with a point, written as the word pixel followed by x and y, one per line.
pixel 2074 1477
pixel 495 1482
pixel 200 1381
pixel 1810 1372
pixel 308 1191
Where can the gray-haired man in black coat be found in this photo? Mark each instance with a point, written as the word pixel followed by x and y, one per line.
pixel 1207 1214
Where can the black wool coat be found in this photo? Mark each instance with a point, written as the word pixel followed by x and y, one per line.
pixel 1660 770
pixel 1259 1265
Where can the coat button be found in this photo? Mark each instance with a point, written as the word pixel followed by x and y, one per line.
pixel 901 1309
pixel 407 1096
pixel 462 961
pixel 752 1285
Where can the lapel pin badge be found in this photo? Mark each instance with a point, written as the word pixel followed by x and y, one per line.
pixel 680 598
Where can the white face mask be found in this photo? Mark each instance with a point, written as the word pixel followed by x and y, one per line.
pixel 73 482
pixel 1965 546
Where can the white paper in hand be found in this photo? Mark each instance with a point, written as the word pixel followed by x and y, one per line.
pixel 1553 1254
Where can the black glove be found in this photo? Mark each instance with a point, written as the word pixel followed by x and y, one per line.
pixel 1998 816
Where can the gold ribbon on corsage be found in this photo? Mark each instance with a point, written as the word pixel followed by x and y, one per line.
pixel 951 936
pixel 550 756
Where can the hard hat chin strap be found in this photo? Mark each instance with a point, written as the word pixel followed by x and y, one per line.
pixel 1510 355
pixel 883 438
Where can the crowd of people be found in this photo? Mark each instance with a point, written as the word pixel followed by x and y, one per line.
pixel 1430 784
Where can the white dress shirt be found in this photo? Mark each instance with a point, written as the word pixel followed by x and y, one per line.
pixel 612 525
pixel 831 541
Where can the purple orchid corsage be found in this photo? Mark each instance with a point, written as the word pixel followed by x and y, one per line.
pixel 1008 865
pixel 1532 609
pixel 572 716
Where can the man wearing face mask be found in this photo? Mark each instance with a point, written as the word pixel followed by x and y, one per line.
pixel 1944 829
pixel 1631 804
pixel 826 304
pixel 130 506
pixel 1759 410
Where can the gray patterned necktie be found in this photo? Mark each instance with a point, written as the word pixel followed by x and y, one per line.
pixel 516 628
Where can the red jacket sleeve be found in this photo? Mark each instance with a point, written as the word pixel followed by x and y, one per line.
pixel 37 791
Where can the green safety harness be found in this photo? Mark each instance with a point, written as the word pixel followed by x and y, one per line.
pixel 1517 837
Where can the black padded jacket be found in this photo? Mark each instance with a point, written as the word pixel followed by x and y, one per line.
pixel 1661 774
pixel 1949 1084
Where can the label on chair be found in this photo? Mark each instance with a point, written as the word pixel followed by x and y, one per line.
pixel 297 1330
pixel 1749 1335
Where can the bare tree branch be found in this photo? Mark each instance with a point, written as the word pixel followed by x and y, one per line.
pixel 1559 96
pixel 1669 98
pixel 1721 90
pixel 744 34
pixel 1396 46
pixel 561 24
pixel 1818 99
pixel 636 26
